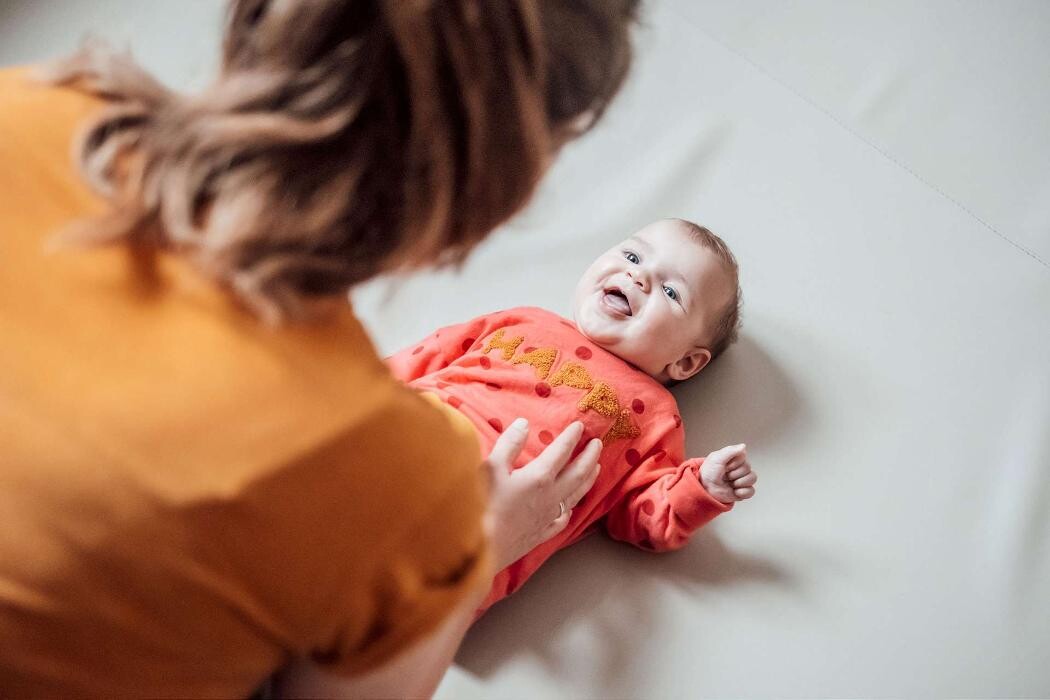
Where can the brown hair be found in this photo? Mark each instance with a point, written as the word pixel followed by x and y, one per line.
pixel 727 323
pixel 344 138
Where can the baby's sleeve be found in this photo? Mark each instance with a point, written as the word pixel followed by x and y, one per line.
pixel 663 505
pixel 437 350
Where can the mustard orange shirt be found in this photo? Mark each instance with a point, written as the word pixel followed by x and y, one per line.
pixel 532 363
pixel 188 499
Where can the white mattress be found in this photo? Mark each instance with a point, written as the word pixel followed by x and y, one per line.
pixel 882 171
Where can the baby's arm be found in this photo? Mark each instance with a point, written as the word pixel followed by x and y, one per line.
pixel 437 350
pixel 666 503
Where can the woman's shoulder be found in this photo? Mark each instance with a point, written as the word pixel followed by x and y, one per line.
pixel 40 188
pixel 46 113
pixel 27 84
pixel 139 346
pixel 200 399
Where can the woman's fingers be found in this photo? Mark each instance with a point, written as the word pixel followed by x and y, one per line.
pixel 508 446
pixel 534 503
pixel 557 525
pixel 744 493
pixel 556 455
pixel 576 480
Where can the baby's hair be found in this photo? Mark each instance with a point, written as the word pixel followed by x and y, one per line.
pixel 727 325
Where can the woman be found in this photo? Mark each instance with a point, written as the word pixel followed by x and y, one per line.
pixel 191 499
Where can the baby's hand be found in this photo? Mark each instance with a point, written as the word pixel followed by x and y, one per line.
pixel 727 475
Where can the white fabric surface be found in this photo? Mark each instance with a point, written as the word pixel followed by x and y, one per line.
pixel 882 171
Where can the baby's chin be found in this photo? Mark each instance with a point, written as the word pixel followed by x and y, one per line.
pixel 595 329
pixel 612 343
pixel 604 343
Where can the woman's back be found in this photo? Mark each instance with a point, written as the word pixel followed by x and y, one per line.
pixel 147 424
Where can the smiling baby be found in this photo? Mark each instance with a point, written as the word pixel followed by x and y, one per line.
pixel 650 312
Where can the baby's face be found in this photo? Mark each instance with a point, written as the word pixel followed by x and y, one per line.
pixel 652 299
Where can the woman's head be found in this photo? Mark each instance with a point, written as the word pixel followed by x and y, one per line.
pixel 344 138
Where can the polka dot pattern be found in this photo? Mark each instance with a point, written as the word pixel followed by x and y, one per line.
pixel 493 386
pixel 454 402
pixel 648 507
pixel 638 406
pixel 485 363
pixel 543 389
pixel 417 350
pixel 467 343
pixel 633 457
pixel 583 352
pixel 546 437
pixel 496 424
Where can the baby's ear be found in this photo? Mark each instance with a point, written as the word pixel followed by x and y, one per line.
pixel 689 364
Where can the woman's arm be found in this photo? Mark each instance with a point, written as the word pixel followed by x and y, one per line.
pixel 414 674
pixel 524 511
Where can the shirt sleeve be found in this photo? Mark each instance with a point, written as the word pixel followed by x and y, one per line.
pixel 665 508
pixel 431 550
pixel 427 573
pixel 437 350
pixel 362 545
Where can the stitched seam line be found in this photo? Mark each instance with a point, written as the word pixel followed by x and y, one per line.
pixel 1030 253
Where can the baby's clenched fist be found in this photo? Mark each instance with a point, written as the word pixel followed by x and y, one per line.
pixel 727 475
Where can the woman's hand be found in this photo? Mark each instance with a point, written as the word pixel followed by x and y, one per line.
pixel 528 506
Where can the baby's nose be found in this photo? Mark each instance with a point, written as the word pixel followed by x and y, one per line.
pixel 640 279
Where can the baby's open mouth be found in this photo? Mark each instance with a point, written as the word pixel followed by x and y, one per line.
pixel 617 301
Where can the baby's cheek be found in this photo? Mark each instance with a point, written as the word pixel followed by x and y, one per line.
pixel 656 349
pixel 676 333
pixel 639 351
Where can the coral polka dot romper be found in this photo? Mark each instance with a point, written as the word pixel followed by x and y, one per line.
pixel 533 363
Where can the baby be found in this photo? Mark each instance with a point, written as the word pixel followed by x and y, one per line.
pixel 652 311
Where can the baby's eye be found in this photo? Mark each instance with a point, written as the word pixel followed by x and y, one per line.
pixel 631 257
pixel 669 291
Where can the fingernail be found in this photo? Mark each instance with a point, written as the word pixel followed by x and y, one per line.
pixel 597 440
pixel 520 424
